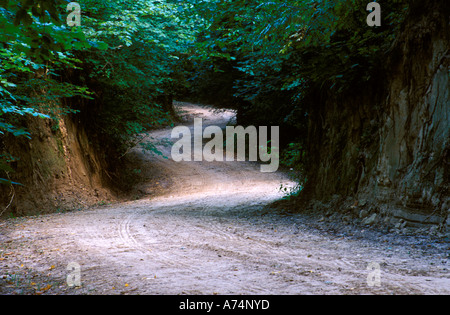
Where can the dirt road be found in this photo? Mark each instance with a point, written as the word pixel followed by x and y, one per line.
pixel 209 232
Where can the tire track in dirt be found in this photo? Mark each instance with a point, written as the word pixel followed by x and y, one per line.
pixel 127 238
pixel 209 232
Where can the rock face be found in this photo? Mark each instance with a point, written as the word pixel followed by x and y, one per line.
pixel 370 220
pixel 414 137
pixel 59 168
pixel 391 144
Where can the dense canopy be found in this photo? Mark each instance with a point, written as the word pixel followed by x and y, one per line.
pixel 129 59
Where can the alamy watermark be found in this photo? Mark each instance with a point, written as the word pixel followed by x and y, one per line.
pixel 374 18
pixel 74 277
pixel 74 17
pixel 236 141
pixel 374 276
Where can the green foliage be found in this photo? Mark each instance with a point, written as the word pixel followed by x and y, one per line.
pixel 140 73
pixel 129 59
pixel 121 68
pixel 270 56
pixel 34 45
pixel 285 46
pixel 293 156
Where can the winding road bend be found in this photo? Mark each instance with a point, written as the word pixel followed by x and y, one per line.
pixel 209 232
